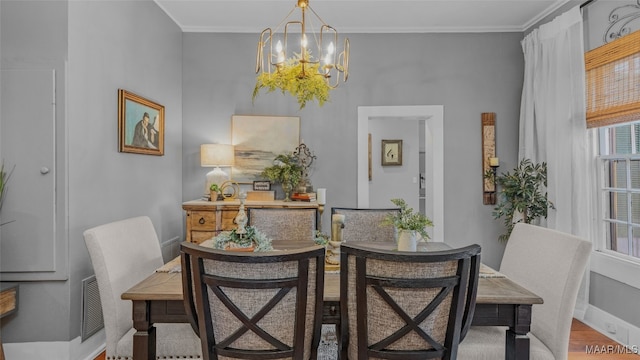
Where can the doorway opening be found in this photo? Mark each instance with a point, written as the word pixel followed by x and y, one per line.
pixel 433 160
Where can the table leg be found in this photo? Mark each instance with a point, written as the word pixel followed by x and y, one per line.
pixel 144 340
pixel 517 340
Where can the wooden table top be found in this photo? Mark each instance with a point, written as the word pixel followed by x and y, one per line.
pixel 491 290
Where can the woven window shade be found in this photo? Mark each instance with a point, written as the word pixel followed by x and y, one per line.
pixel 613 82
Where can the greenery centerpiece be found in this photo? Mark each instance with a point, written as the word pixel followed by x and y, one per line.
pixel 304 84
pixel 523 195
pixel 285 170
pixel 251 239
pixel 408 224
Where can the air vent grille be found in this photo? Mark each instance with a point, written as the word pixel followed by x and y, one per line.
pixel 92 320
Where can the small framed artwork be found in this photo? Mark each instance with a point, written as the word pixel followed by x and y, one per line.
pixel 262 185
pixel 391 152
pixel 140 124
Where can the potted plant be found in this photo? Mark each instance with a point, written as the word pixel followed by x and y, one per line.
pixel 251 240
pixel 304 86
pixel 4 179
pixel 286 171
pixel 523 195
pixel 408 224
pixel 215 192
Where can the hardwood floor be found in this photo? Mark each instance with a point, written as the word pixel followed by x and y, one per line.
pixel 582 338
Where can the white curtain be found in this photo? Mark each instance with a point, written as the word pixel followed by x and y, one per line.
pixel 552 123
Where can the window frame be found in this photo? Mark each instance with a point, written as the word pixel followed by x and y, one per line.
pixel 612 264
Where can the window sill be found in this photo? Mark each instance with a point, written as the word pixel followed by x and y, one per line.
pixel 616 268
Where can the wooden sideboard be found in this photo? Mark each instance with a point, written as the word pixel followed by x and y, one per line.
pixel 205 219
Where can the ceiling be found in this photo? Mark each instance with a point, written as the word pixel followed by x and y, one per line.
pixel 363 16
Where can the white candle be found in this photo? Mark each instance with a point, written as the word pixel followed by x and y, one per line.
pixel 322 196
pixel 338 218
pixel 493 161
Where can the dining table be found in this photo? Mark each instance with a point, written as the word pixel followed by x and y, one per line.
pixel 500 301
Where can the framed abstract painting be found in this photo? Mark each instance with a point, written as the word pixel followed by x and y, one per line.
pixel 258 140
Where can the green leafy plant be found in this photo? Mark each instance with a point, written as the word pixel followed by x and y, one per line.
pixel 522 190
pixel 290 78
pixel 406 219
pixel 252 237
pixel 285 170
pixel 4 179
pixel 321 238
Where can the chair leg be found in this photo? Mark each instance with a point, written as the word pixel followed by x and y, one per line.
pixel 1 350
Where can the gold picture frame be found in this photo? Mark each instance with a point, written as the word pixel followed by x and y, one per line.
pixel 391 152
pixel 140 125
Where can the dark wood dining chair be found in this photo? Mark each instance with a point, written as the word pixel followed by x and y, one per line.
pixel 250 305
pixel 288 224
pixel 362 224
pixel 406 305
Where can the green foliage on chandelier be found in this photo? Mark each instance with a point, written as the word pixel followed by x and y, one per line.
pixel 308 87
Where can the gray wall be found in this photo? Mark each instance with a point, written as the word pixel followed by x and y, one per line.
pixel 111 44
pixel 467 73
pixel 40 43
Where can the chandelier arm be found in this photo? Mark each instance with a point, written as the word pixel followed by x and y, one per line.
pixel 283 20
pixel 316 14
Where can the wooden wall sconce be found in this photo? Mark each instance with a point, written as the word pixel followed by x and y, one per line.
pixel 490 161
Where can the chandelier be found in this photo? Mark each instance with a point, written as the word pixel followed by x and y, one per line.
pixel 302 57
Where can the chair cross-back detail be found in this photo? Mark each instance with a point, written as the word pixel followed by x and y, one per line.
pixel 364 224
pixel 243 304
pixel 399 305
pixel 285 224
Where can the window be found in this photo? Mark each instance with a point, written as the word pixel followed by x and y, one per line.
pixel 620 188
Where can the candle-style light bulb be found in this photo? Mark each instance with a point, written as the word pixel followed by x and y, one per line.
pixel 331 48
pixel 327 59
pixel 279 51
pixel 303 42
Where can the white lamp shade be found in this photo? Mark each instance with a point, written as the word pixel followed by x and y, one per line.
pixel 212 155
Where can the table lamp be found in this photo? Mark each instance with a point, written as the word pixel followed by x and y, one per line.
pixel 216 155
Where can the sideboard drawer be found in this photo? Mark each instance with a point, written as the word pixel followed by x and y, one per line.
pixel 203 220
pixel 228 219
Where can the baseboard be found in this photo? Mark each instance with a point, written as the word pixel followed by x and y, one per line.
pixel 613 327
pixel 72 350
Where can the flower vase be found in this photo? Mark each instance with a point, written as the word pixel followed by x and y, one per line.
pixel 287 191
pixel 407 240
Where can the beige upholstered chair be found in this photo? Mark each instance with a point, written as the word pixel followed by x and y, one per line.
pixel 364 224
pixel 406 305
pixel 250 305
pixel 123 253
pixel 550 264
pixel 289 224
